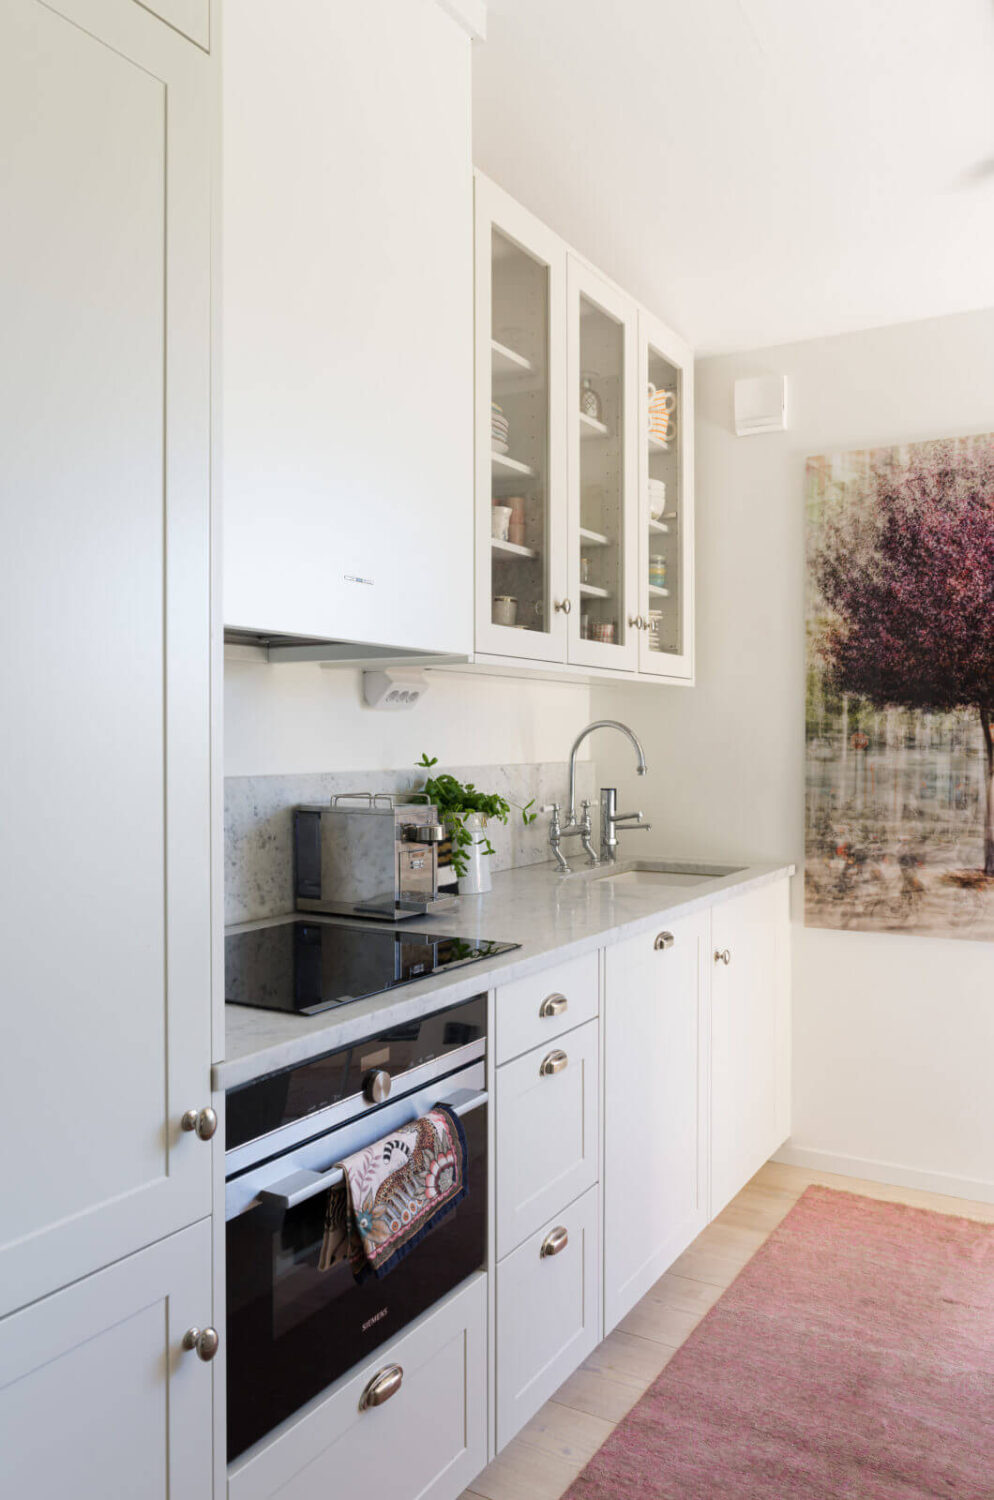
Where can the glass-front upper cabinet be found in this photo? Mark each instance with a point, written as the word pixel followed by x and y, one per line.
pixel 521 606
pixel 602 450
pixel 666 519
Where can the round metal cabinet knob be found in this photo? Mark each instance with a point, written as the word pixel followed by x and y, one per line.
pixel 722 956
pixel 204 1340
pixel 203 1121
pixel 565 605
pixel 376 1086
pixel 384 1384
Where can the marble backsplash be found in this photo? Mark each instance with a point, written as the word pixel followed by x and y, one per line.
pixel 258 879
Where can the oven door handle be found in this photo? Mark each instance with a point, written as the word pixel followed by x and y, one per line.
pixel 299 1186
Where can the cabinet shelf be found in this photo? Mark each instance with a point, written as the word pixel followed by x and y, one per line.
pixel 511 465
pixel 657 592
pixel 660 527
pixel 512 548
pixel 594 538
pixel 508 362
pixel 594 591
pixel 591 428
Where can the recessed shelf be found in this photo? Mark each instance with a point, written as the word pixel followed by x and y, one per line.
pixel 512 548
pixel 590 427
pixel 656 445
pixel 658 592
pixel 512 465
pixel 593 591
pixel 508 361
pixel 594 538
pixel 660 527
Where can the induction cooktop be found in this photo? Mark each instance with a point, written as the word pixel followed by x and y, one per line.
pixel 304 967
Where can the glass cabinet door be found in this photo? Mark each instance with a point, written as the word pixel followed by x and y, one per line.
pixel 520 479
pixel 666 522
pixel 601 424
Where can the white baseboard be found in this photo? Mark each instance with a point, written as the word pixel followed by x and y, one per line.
pixel 887 1172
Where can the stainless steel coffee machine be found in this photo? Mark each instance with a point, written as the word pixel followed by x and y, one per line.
pixel 369 854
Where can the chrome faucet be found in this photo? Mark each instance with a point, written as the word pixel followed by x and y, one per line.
pixel 609 824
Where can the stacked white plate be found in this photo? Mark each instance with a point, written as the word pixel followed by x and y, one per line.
pixel 499 428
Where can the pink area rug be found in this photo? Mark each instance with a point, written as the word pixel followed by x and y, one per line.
pixel 854 1356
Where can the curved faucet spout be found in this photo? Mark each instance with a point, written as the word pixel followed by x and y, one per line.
pixel 599 724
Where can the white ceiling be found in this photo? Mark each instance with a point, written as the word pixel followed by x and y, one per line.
pixel 756 171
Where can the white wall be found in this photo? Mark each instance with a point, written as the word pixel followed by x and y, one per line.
pixel 894 1036
pixel 301 718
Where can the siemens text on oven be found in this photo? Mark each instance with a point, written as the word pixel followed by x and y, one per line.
pixel 375 1318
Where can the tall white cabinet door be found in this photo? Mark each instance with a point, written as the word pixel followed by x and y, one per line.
pixel 601 459
pixel 666 503
pixel 347 360
pixel 749 1036
pixel 105 612
pixel 98 1396
pixel 520 431
pixel 655 1106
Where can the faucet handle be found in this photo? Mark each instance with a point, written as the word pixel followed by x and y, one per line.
pixel 552 807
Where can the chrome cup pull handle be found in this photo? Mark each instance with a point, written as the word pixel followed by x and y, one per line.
pixel 384 1384
pixel 553 1005
pixel 663 941
pixel 553 1062
pixel 557 1239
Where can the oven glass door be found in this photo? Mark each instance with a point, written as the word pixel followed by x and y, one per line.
pixel 292 1329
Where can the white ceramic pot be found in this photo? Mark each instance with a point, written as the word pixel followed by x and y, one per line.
pixel 477 877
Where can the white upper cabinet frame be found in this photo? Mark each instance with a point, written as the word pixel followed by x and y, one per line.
pixel 585 286
pixel 495 210
pixel 655 340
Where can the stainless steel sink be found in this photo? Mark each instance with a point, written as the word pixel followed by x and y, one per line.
pixel 658 872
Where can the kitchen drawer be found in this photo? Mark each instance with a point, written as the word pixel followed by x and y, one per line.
pixel 546 1133
pixel 547 1313
pixel 520 1020
pixel 428 1439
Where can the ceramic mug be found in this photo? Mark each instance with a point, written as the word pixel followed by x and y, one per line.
pixel 500 522
pixel 661 400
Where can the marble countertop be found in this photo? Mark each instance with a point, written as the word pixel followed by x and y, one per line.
pixel 552 917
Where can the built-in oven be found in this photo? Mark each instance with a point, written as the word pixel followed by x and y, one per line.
pixel 292 1328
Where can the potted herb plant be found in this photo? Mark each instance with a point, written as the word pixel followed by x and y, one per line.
pixel 465 811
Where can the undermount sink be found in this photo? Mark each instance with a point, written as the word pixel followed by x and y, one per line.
pixel 656 872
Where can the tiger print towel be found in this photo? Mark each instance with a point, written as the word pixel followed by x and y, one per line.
pixel 394 1192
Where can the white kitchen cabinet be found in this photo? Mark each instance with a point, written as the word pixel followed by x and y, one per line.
pixel 665 595
pixel 750 1036
pixel 191 17
pixel 520 424
pixel 105 604
pixel 427 1439
pixel 592 578
pixel 347 331
pixel 655 1106
pixel 547 1312
pixel 547 1129
pixel 602 456
pixel 99 1396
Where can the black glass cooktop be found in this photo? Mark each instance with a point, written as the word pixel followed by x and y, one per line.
pixel 305 966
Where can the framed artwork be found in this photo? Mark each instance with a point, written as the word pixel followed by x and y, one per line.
pixel 900 690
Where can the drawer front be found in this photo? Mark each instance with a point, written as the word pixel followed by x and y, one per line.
pixel 547 1313
pixel 530 1012
pixel 547 1113
pixel 429 1438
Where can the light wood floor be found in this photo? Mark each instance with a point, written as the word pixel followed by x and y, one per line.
pixel 547 1455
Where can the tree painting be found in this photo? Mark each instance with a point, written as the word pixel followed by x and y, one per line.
pixel 900 768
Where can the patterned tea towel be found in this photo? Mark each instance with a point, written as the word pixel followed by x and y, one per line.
pixel 394 1192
